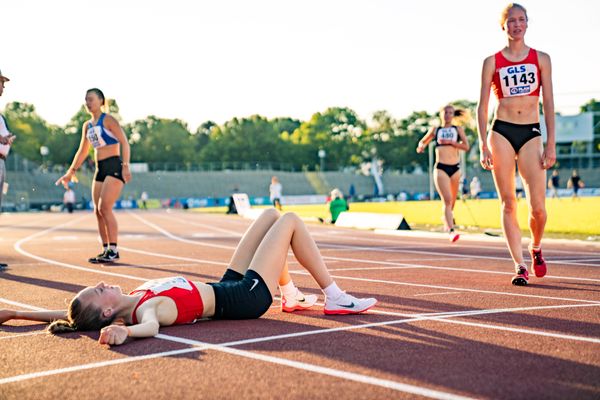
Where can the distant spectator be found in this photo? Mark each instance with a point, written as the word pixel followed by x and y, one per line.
pixel 475 188
pixel 144 200
pixel 231 208
pixel 352 192
pixel 554 183
pixel 69 199
pixel 575 182
pixel 464 187
pixel 337 205
pixel 275 190
pixel 518 186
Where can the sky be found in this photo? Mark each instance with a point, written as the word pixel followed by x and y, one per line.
pixel 215 60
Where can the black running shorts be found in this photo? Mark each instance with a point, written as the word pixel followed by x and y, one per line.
pixel 240 296
pixel 110 166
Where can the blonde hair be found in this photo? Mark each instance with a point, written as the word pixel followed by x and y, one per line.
pixel 337 194
pixel 460 117
pixel 506 10
pixel 80 318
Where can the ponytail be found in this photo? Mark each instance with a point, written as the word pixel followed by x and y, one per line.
pixel 61 326
pixel 80 318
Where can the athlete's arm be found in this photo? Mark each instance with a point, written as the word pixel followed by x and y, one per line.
pixel 425 140
pixel 117 334
pixel 549 155
pixel 113 125
pixel 463 143
pixel 41 316
pixel 487 74
pixel 80 156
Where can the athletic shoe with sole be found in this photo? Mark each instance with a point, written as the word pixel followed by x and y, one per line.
pixel 109 256
pixel 96 260
pixel 347 304
pixel 522 276
pixel 538 264
pixel 298 303
pixel 453 236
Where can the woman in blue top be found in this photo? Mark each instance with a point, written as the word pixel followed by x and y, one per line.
pixel 104 133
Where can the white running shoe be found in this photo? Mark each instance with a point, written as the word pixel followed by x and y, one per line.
pixel 299 302
pixel 348 304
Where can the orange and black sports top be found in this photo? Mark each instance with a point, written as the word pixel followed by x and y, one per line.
pixel 181 290
pixel 517 78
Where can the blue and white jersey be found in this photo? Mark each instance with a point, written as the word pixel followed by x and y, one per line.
pixel 98 135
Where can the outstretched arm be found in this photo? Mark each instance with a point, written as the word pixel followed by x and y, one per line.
pixel 42 316
pixel 117 334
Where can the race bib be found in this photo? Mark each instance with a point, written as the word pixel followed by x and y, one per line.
pixel 447 134
pixel 519 80
pixel 158 286
pixel 93 135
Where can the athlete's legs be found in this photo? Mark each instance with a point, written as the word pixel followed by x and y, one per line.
pixel 534 179
pixel 272 252
pixel 96 191
pixel 110 192
pixel 443 185
pixel 503 156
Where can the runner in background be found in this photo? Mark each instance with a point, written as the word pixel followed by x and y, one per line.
pixel 449 140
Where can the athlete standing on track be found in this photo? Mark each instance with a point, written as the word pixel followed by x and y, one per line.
pixel 104 133
pixel 516 74
pixel 449 140
pixel 6 139
pixel 245 291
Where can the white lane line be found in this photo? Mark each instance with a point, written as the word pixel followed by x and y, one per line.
pixel 224 347
pixel 20 335
pixel 195 260
pixel 451 288
pixel 174 237
pixel 421 266
pixel 435 294
pixel 19 249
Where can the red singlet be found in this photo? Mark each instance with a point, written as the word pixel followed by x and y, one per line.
pixel 182 291
pixel 520 78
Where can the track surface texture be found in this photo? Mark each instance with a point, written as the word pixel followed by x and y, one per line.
pixel 448 325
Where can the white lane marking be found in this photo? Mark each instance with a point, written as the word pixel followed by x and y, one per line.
pixel 18 248
pixel 20 335
pixel 435 294
pixel 421 266
pixel 452 288
pixel 224 347
pixel 196 260
pixel 174 237
pixel 66 237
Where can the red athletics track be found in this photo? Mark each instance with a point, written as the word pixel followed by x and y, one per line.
pixel 448 325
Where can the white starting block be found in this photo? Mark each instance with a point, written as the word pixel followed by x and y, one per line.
pixel 242 205
pixel 364 220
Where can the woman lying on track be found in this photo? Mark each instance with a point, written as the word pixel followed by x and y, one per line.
pixel 245 291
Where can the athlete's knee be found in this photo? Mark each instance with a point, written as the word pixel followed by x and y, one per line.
pixel 97 211
pixel 290 217
pixel 104 208
pixel 271 213
pixel 509 206
pixel 538 213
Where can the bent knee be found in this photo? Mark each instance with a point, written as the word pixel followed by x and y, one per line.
pixel 538 213
pixel 271 213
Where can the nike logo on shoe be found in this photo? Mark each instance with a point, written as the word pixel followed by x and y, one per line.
pixel 351 305
pixel 255 283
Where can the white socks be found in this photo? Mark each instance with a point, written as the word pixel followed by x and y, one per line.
pixel 333 291
pixel 289 290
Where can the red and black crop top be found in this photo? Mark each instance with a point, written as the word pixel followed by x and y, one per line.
pixel 517 78
pixel 182 291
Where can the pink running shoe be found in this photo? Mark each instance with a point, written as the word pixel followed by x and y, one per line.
pixel 522 276
pixel 298 303
pixel 538 264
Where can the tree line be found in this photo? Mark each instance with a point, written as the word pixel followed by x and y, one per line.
pixel 347 140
